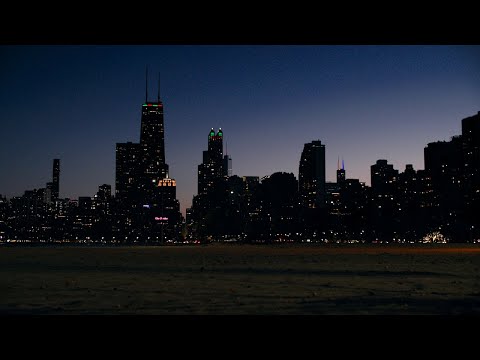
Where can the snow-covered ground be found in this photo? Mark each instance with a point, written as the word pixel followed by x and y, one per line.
pixel 241 279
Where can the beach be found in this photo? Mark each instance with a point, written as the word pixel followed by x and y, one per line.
pixel 231 279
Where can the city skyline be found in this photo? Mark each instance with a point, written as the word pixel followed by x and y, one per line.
pixel 393 116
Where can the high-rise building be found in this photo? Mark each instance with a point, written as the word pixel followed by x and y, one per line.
pixel 212 167
pixel 48 193
pixel 471 153
pixel 152 145
pixel 215 146
pixel 140 166
pixel 210 200
pixel 127 174
pixel 445 165
pixel 383 178
pixel 56 179
pixel 143 187
pixel 227 165
pixel 384 201
pixel 340 173
pixel 104 192
pixel 312 175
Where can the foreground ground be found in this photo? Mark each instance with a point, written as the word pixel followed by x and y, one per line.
pixel 241 279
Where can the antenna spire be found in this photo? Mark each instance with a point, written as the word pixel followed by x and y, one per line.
pixel 343 164
pixel 338 163
pixel 146 84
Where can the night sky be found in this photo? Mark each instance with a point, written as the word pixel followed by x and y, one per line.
pixel 363 102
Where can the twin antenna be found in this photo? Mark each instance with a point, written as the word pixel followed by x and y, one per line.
pixel 146 86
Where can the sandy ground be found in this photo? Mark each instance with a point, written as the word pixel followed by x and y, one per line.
pixel 241 279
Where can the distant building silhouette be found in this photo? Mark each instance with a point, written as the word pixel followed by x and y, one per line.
pixel 48 196
pixel 445 164
pixel 471 155
pixel 144 190
pixel 383 178
pixel 227 165
pixel 279 203
pixel 211 186
pixel 212 167
pixel 127 171
pixel 340 173
pixel 312 175
pixel 104 192
pixel 384 201
pixel 152 147
pixel 56 179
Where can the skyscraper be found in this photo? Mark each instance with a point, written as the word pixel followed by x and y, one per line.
pixel 152 144
pixel 471 190
pixel 56 179
pixel 104 192
pixel 383 178
pixel 340 173
pixel 127 174
pixel 227 165
pixel 212 167
pixel 445 164
pixel 471 153
pixel 140 166
pixel 312 175
pixel 212 187
pixel 145 192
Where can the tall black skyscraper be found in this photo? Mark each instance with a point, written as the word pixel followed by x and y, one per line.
pixel 140 167
pixel 209 203
pixel 212 167
pixel 340 173
pixel 56 179
pixel 312 175
pixel 144 190
pixel 152 143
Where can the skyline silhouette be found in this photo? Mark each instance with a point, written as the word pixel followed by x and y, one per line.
pixel 363 102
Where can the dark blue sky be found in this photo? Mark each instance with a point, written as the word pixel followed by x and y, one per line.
pixel 363 102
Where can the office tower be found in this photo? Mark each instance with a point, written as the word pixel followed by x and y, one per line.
pixel 227 165
pixel 48 198
pixel 104 192
pixel 383 178
pixel 144 190
pixel 340 173
pixel 444 163
pixel 211 170
pixel 312 175
pixel 384 201
pixel 152 145
pixel 140 166
pixel 471 154
pixel 56 179
pixel 127 174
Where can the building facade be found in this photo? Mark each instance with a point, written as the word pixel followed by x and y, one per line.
pixel 311 175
